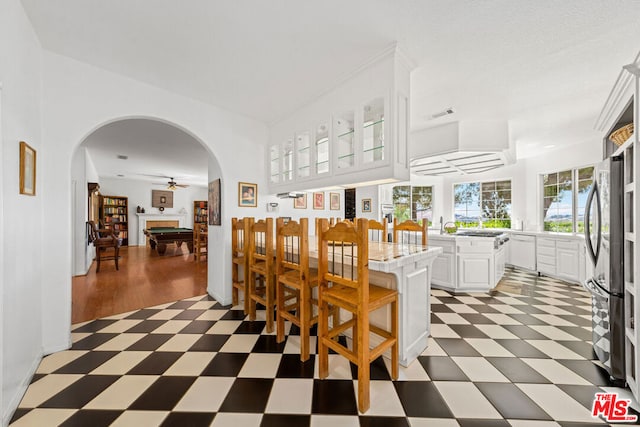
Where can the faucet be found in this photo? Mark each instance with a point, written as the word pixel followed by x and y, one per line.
pixel 441 226
pixel 480 223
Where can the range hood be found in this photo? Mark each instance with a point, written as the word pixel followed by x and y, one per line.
pixel 460 148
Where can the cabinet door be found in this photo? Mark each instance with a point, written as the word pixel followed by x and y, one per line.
pixel 568 264
pixel 475 272
pixel 523 252
pixel 444 271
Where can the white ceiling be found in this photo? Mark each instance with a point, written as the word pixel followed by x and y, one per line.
pixel 545 65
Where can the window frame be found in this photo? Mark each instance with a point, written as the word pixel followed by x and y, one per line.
pixel 480 182
pixel 411 187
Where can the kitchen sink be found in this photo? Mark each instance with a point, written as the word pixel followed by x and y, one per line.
pixel 479 233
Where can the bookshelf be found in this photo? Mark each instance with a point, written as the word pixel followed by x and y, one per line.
pixel 116 209
pixel 200 213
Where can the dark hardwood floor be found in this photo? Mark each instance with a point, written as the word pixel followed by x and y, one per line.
pixel 145 279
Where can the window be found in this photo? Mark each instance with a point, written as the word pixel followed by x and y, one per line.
pixel 483 203
pixel 564 197
pixel 414 203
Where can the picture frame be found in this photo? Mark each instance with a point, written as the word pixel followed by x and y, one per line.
pixel 161 199
pixel 300 202
pixel 334 201
pixel 318 200
pixel 214 202
pixel 27 169
pixel 247 195
pixel 366 205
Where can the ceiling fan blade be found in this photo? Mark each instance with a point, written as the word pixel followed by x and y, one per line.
pixel 182 185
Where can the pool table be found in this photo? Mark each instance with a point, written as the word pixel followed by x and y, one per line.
pixel 159 237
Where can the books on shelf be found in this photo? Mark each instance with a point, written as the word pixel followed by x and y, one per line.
pixel 116 209
pixel 200 212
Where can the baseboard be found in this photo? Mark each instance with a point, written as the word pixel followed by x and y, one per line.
pixel 221 300
pixel 15 400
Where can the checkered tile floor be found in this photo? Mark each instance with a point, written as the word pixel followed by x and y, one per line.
pixel 519 359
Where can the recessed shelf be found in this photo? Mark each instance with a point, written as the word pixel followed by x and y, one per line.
pixel 374 148
pixel 373 123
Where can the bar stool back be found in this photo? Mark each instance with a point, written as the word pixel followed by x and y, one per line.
pixel 410 232
pixel 239 258
pixel 261 267
pixel 377 230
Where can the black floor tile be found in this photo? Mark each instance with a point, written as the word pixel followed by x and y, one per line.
pixel 457 347
pixel 577 332
pixel 36 377
pixel 234 315
pixel 516 370
pixel 292 367
pixel 421 399
pixel 441 368
pixel 285 420
pixel 511 402
pixel 150 342
pixel 469 422
pixel 377 370
pixel 449 300
pixel 181 305
pixel 250 327
pixel 524 332
pixel 92 341
pixel 588 370
pixel 19 413
pixel 190 419
pixel 336 397
pixel 145 313
pixel 468 331
pixel 155 363
pixel 476 319
pixel 80 392
pixel 480 308
pixel 580 347
pixel 440 308
pixel 530 309
pixel 145 326
pixel 225 365
pixel 572 424
pixel 197 326
pixel 94 418
pixel 521 348
pixel 383 421
pixel 435 320
pixel 189 315
pixel 163 394
pixel 268 344
pixel 86 363
pixel 95 326
pixel 247 395
pixel 527 319
pixel 209 342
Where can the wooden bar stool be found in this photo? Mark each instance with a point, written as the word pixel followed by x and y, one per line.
pixel 239 260
pixel 377 230
pixel 350 290
pixel 295 281
pixel 261 266
pixel 407 232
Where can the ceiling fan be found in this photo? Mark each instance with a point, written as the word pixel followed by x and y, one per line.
pixel 171 184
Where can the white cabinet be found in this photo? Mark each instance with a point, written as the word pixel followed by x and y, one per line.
pixel 475 272
pixel 522 251
pixel 568 260
pixel 546 256
pixel 499 264
pixel 561 257
pixel 444 266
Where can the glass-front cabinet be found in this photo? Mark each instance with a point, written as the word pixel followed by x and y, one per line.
pixel 322 149
pixel 303 154
pixel 287 161
pixel 344 129
pixel 373 131
pixel 274 164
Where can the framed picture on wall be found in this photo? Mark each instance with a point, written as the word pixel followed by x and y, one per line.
pixel 300 202
pixel 214 203
pixel 334 201
pixel 318 200
pixel 366 205
pixel 247 195
pixel 27 169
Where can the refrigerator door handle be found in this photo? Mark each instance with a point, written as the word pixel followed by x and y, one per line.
pixel 587 223
pixel 593 288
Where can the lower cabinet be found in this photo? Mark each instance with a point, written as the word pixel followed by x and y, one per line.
pixel 568 260
pixel 475 272
pixel 522 251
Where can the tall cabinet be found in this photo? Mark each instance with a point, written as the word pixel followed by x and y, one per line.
pixel 200 212
pixel 116 209
pixel 620 109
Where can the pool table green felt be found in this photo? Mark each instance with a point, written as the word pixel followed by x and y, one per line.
pixel 159 237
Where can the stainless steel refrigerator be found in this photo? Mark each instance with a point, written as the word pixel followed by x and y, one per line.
pixel 604 234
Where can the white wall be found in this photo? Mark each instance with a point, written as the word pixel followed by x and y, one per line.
pixel 22 229
pixel 139 194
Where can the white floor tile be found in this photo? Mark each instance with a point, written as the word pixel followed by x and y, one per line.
pixel 171 327
pixel 290 396
pixel 77 336
pixel 557 403
pixel 496 332
pixel 292 345
pixel 226 419
pixel 339 368
pixel 121 326
pixel 58 360
pixel 510 300
pixel 488 347
pixel 462 308
pixel 552 309
pixel 239 344
pixel 413 372
pixel 554 333
pixel 46 387
pixel 502 319
pixel 44 417
pixel 554 350
pixel 465 400
pixel 438 330
pixel 334 421
pixel 206 394
pixel 555 372
pixel 260 365
pixel 140 418
pixel 203 305
pixel 553 320
pixel 433 349
pixel 532 423
pixel 479 369
pixel 384 399
pixel 180 342
pixel 224 327
pixel 121 363
pixel 555 301
pixel 432 422
pixel 505 309
pixel 469 300
pixel 122 393
pixel 211 315
pixel 190 364
pixel 452 319
pixel 120 342
pixel 165 314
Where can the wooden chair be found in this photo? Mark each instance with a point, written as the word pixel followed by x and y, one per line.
pixel 295 281
pixel 103 239
pixel 200 241
pixel 239 260
pixel 351 291
pixel 407 232
pixel 261 266
pixel 377 230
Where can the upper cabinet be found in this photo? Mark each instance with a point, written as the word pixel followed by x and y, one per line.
pixel 353 134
